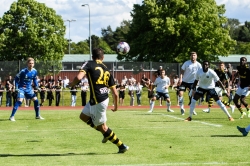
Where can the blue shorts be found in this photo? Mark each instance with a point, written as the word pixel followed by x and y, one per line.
pixel 26 93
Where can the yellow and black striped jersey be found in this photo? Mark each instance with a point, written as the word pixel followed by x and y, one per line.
pixel 244 73
pixel 222 75
pixel 100 80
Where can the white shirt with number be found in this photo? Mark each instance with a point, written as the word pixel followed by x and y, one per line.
pixel 207 80
pixel 190 70
pixel 161 84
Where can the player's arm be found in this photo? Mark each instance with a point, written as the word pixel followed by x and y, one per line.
pixel 78 78
pixel 222 86
pixel 234 79
pixel 181 75
pixel 115 97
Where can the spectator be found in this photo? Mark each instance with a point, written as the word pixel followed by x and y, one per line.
pixel 159 71
pixel 42 92
pixel 65 82
pixel 51 81
pixel 143 80
pixel 58 89
pixel 175 82
pixel 44 80
pixel 50 95
pixel 229 71
pixel 138 91
pixel 14 96
pixel 149 84
pixel 132 80
pixel 9 82
pixel 124 80
pixel 9 96
pixel 1 93
pixel 73 92
pixel 131 90
pixel 59 80
pixel 84 89
pixel 121 88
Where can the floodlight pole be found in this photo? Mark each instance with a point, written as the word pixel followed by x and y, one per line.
pixel 90 47
pixel 69 32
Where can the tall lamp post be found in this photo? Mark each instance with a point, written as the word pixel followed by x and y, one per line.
pixel 69 40
pixel 90 48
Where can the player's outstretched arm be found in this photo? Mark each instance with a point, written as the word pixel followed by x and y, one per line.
pixel 115 98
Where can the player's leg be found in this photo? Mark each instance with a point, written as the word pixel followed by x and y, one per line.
pixel 20 97
pixel 166 98
pixel 197 95
pixel 222 106
pixel 236 99
pixel 152 103
pixel 36 104
pixel 98 111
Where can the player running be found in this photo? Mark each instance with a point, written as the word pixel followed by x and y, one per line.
pixel 187 77
pixel 207 79
pixel 224 78
pixel 23 85
pixel 243 74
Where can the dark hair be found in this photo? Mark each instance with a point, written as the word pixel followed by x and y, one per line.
pixel 97 53
pixel 243 58
pixel 206 61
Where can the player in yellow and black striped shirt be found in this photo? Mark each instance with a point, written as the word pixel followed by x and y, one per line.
pixel 100 81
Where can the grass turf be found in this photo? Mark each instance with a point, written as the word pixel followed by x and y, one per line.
pixel 158 138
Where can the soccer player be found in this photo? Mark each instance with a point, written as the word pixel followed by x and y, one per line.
pixel 23 85
pixel 94 113
pixel 207 79
pixel 224 78
pixel 187 77
pixel 161 83
pixel 243 74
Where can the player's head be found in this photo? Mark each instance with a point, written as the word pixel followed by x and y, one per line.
pixel 221 66
pixel 163 73
pixel 205 65
pixel 97 53
pixel 30 63
pixel 193 56
pixel 243 61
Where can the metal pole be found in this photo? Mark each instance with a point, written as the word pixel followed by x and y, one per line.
pixel 69 32
pixel 90 47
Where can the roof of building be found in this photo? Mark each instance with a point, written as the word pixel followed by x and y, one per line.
pixel 113 58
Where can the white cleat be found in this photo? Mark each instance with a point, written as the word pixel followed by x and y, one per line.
pixel 150 111
pixel 206 110
pixel 182 111
pixel 194 112
pixel 39 117
pixel 169 110
pixel 232 108
pixel 12 118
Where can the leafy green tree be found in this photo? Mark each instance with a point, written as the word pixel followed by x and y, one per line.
pixel 81 47
pixel 242 48
pixel 244 32
pixel 30 29
pixel 168 30
pixel 233 25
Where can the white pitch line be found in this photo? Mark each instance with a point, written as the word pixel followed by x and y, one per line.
pixel 205 123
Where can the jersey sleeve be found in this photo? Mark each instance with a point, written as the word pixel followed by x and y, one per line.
pixel 111 81
pixel 85 66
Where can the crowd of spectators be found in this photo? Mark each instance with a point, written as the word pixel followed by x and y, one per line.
pixel 51 90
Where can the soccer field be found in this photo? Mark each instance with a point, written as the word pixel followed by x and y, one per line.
pixel 158 138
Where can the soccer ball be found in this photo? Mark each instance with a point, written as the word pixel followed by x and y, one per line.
pixel 122 48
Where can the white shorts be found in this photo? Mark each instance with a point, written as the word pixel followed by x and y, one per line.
pixel 242 92
pixel 97 112
pixel 218 91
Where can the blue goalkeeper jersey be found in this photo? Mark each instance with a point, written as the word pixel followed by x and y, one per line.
pixel 25 78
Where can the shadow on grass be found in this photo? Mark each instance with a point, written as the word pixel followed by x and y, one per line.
pixel 226 136
pixel 47 155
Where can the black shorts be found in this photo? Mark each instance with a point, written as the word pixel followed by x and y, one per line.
pixel 160 95
pixel 185 85
pixel 210 92
pixel 121 95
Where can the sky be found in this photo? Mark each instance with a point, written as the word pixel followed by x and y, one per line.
pixel 112 12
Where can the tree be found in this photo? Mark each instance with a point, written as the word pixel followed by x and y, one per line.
pixel 30 29
pixel 168 30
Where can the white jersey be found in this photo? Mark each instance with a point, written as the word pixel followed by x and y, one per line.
pixel 190 70
pixel 161 83
pixel 207 80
